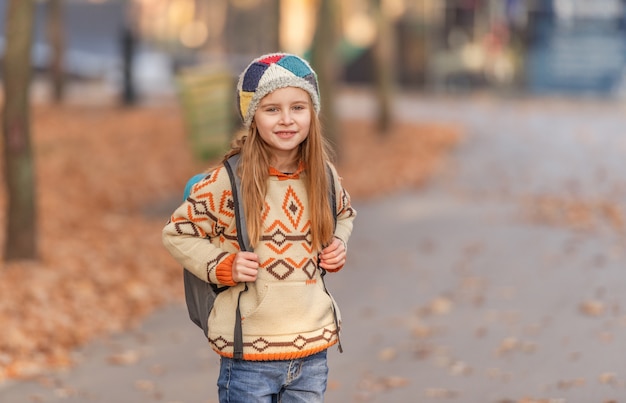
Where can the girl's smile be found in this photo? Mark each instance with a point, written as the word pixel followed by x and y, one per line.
pixel 286 134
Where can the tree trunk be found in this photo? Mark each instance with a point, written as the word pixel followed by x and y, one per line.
pixel 56 41
pixel 324 60
pixel 19 172
pixel 273 25
pixel 128 42
pixel 384 62
pixel 253 30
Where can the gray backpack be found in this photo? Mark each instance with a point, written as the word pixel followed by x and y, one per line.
pixel 199 294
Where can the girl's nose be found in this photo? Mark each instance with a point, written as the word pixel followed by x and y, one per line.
pixel 285 117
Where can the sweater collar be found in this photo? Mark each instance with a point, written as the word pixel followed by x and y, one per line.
pixel 284 176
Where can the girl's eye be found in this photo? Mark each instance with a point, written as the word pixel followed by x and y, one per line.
pixel 299 107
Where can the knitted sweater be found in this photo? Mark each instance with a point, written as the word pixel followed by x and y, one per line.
pixel 286 312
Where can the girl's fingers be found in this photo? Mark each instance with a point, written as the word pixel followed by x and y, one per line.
pixel 245 267
pixel 243 274
pixel 338 253
pixel 332 265
pixel 247 259
pixel 248 256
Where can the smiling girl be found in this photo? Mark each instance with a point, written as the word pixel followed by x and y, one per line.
pixel 289 319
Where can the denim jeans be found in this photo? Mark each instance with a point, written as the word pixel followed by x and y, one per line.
pixel 301 380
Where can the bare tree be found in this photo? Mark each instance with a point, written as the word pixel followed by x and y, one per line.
pixel 384 62
pixel 19 167
pixel 56 41
pixel 324 60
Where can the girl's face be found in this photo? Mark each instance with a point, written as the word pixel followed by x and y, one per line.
pixel 283 119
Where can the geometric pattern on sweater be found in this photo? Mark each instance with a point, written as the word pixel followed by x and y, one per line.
pixel 261 344
pixel 293 207
pixel 200 210
pixel 279 238
pixel 283 268
pixel 283 235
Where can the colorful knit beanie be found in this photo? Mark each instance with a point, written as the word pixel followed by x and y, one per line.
pixel 269 73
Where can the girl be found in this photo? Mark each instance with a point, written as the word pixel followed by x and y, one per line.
pixel 288 319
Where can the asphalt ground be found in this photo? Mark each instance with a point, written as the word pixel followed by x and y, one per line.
pixel 501 280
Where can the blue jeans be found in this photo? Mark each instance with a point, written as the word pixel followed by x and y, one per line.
pixel 301 380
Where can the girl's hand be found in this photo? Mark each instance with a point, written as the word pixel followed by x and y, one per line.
pixel 245 267
pixel 333 257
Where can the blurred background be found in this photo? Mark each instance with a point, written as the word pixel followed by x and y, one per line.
pixel 502 122
pixel 436 45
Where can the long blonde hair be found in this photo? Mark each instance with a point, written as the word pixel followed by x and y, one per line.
pixel 254 167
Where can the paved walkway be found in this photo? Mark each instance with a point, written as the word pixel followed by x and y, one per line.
pixel 454 292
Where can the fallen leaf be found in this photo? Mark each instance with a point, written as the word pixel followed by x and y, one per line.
pixel 460 368
pixel 572 383
pixel 392 382
pixel 128 357
pixel 388 354
pixel 440 306
pixel 608 378
pixel 422 331
pixel 592 308
pixel 145 385
pixel 507 345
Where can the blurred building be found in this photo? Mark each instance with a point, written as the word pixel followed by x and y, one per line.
pixel 539 46
pixel 92 34
pixel 97 33
pixel 577 46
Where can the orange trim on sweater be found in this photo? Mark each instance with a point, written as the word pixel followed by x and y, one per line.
pixel 281 356
pixel 283 176
pixel 224 271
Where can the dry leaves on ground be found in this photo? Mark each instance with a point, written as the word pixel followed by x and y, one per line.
pixel 375 165
pixel 102 268
pixel 576 213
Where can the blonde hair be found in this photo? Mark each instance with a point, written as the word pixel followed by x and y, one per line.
pixel 254 167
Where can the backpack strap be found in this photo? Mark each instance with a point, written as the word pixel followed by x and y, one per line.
pixel 231 165
pixel 332 197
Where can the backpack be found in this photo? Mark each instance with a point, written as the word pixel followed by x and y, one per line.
pixel 199 294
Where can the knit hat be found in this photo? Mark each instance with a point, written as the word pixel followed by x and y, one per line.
pixel 269 73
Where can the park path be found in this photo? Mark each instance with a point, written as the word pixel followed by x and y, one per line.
pixel 473 289
pixel 479 288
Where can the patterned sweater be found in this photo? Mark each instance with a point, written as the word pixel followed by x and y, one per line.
pixel 286 313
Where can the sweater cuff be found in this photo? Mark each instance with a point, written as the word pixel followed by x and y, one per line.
pixel 224 271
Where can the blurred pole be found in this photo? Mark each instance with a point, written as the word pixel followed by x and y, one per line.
pixel 128 48
pixel 21 234
pixel 252 28
pixel 128 45
pixel 56 40
pixel 273 17
pixel 324 58
pixel 384 63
